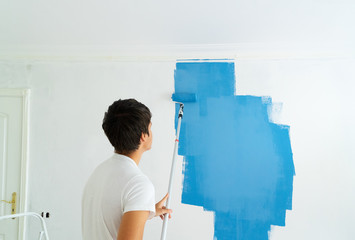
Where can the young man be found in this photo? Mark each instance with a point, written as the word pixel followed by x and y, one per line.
pixel 118 198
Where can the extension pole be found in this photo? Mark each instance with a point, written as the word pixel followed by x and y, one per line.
pixel 166 215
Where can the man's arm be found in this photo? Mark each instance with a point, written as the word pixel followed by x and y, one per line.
pixel 132 225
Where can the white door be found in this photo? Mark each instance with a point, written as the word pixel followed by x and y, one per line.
pixel 13 153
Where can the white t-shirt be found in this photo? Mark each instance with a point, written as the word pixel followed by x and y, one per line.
pixel 115 187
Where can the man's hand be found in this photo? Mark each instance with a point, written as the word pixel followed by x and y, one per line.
pixel 160 209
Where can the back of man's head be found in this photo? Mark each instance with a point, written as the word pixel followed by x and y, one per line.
pixel 124 123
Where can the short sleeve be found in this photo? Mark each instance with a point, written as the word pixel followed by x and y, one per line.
pixel 139 195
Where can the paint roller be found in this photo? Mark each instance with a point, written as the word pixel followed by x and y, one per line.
pixel 180 98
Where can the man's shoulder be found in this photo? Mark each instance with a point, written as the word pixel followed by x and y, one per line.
pixel 140 177
pixel 139 182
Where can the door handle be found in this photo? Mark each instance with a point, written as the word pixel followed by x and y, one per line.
pixel 12 202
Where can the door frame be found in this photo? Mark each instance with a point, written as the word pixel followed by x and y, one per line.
pixel 23 93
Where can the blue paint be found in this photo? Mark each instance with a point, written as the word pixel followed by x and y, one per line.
pixel 237 163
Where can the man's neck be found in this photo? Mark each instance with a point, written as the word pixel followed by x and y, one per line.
pixel 135 156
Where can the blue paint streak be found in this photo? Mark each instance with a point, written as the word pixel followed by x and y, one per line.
pixel 237 163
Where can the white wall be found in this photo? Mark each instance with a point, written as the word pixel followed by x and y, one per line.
pixel 68 101
pixel 66 141
pixel 78 57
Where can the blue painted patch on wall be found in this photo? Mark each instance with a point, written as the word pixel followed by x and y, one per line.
pixel 237 163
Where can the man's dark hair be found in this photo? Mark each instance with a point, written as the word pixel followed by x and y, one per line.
pixel 124 123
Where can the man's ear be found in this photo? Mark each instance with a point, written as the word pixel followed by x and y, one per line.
pixel 144 137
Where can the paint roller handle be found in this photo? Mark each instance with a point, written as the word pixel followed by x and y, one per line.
pixel 165 223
